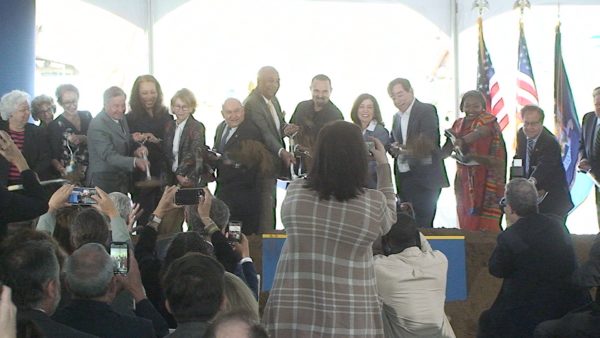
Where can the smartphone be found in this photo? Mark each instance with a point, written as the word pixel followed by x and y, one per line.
pixel 119 251
pixel 234 233
pixel 188 196
pixel 370 146
pixel 82 196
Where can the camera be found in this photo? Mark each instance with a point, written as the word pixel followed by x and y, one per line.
pixel 82 196
pixel 119 252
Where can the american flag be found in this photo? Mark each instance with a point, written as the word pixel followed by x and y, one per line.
pixel 487 83
pixel 526 91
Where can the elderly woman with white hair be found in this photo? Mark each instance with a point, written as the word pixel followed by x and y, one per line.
pixel 31 140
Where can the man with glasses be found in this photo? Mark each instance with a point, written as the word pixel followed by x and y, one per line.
pixel 541 158
pixel 535 258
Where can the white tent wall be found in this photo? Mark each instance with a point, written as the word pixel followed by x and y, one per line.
pixel 215 47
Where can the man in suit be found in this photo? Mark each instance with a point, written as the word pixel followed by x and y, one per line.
pixel 589 145
pixel 89 274
pixel 536 259
pixel 110 146
pixel 194 285
pixel 312 115
pixel 540 153
pixel 238 176
pixel 418 166
pixel 262 107
pixel 31 269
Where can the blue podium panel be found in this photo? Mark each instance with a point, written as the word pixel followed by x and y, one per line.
pixel 452 246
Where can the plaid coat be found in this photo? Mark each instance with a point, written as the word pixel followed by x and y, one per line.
pixel 325 281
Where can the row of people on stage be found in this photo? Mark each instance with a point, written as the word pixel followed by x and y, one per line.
pixel 136 152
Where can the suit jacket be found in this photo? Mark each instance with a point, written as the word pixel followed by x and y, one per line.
pixel 536 259
pixel 545 165
pixel 36 150
pixel 49 327
pixel 191 147
pixel 99 319
pixel 586 142
pixel 109 148
pixel 257 110
pixel 423 121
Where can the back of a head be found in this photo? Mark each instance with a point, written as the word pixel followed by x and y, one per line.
pixel 89 226
pixel 403 234
pixel 89 271
pixel 239 296
pixel 340 164
pixel 122 202
pixel 236 323
pixel 62 231
pixel 27 268
pixel 521 195
pixel 193 285
pixel 185 242
pixel 219 213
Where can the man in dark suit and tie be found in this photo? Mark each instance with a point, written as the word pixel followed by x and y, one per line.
pixel 542 161
pixel 418 166
pixel 262 107
pixel 589 145
pixel 238 174
pixel 110 146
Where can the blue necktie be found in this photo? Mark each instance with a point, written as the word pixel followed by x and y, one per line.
pixel 224 140
pixel 530 146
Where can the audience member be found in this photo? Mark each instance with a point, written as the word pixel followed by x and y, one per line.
pixel 411 282
pixel 68 140
pixel 110 146
pixel 535 257
pixel 148 120
pixel 331 222
pixel 312 115
pixel 89 274
pixel 128 211
pixel 30 139
pixel 244 162
pixel 418 166
pixel 43 109
pixel 238 324
pixel 239 296
pixel 193 286
pixel 365 113
pixel 32 270
pixel 263 108
pixel 28 204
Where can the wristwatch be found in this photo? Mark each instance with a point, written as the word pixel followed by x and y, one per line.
pixel 154 221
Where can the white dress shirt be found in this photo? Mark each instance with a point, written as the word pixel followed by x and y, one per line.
pixel 404 120
pixel 176 140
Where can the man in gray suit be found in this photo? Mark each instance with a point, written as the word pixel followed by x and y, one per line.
pixel 262 107
pixel 110 144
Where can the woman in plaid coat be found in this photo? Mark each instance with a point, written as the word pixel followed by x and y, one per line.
pixel 325 283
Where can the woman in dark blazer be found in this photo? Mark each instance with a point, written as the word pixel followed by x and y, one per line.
pixel 184 141
pixel 31 140
pixel 366 114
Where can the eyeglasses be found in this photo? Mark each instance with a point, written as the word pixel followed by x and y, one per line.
pixel 182 108
pixel 68 103
pixel 502 204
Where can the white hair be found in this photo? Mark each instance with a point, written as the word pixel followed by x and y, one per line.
pixel 122 203
pixel 10 102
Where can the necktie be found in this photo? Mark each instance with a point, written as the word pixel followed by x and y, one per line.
pixel 530 146
pixel 121 125
pixel 224 139
pixel 274 116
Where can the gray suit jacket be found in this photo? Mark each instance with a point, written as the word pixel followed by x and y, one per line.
pixel 109 147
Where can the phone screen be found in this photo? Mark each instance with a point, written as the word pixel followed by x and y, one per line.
pixel 235 231
pixel 82 196
pixel 119 251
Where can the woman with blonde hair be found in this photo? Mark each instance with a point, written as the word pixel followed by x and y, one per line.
pixel 239 296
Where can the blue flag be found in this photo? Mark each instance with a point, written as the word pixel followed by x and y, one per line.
pixel 567 126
